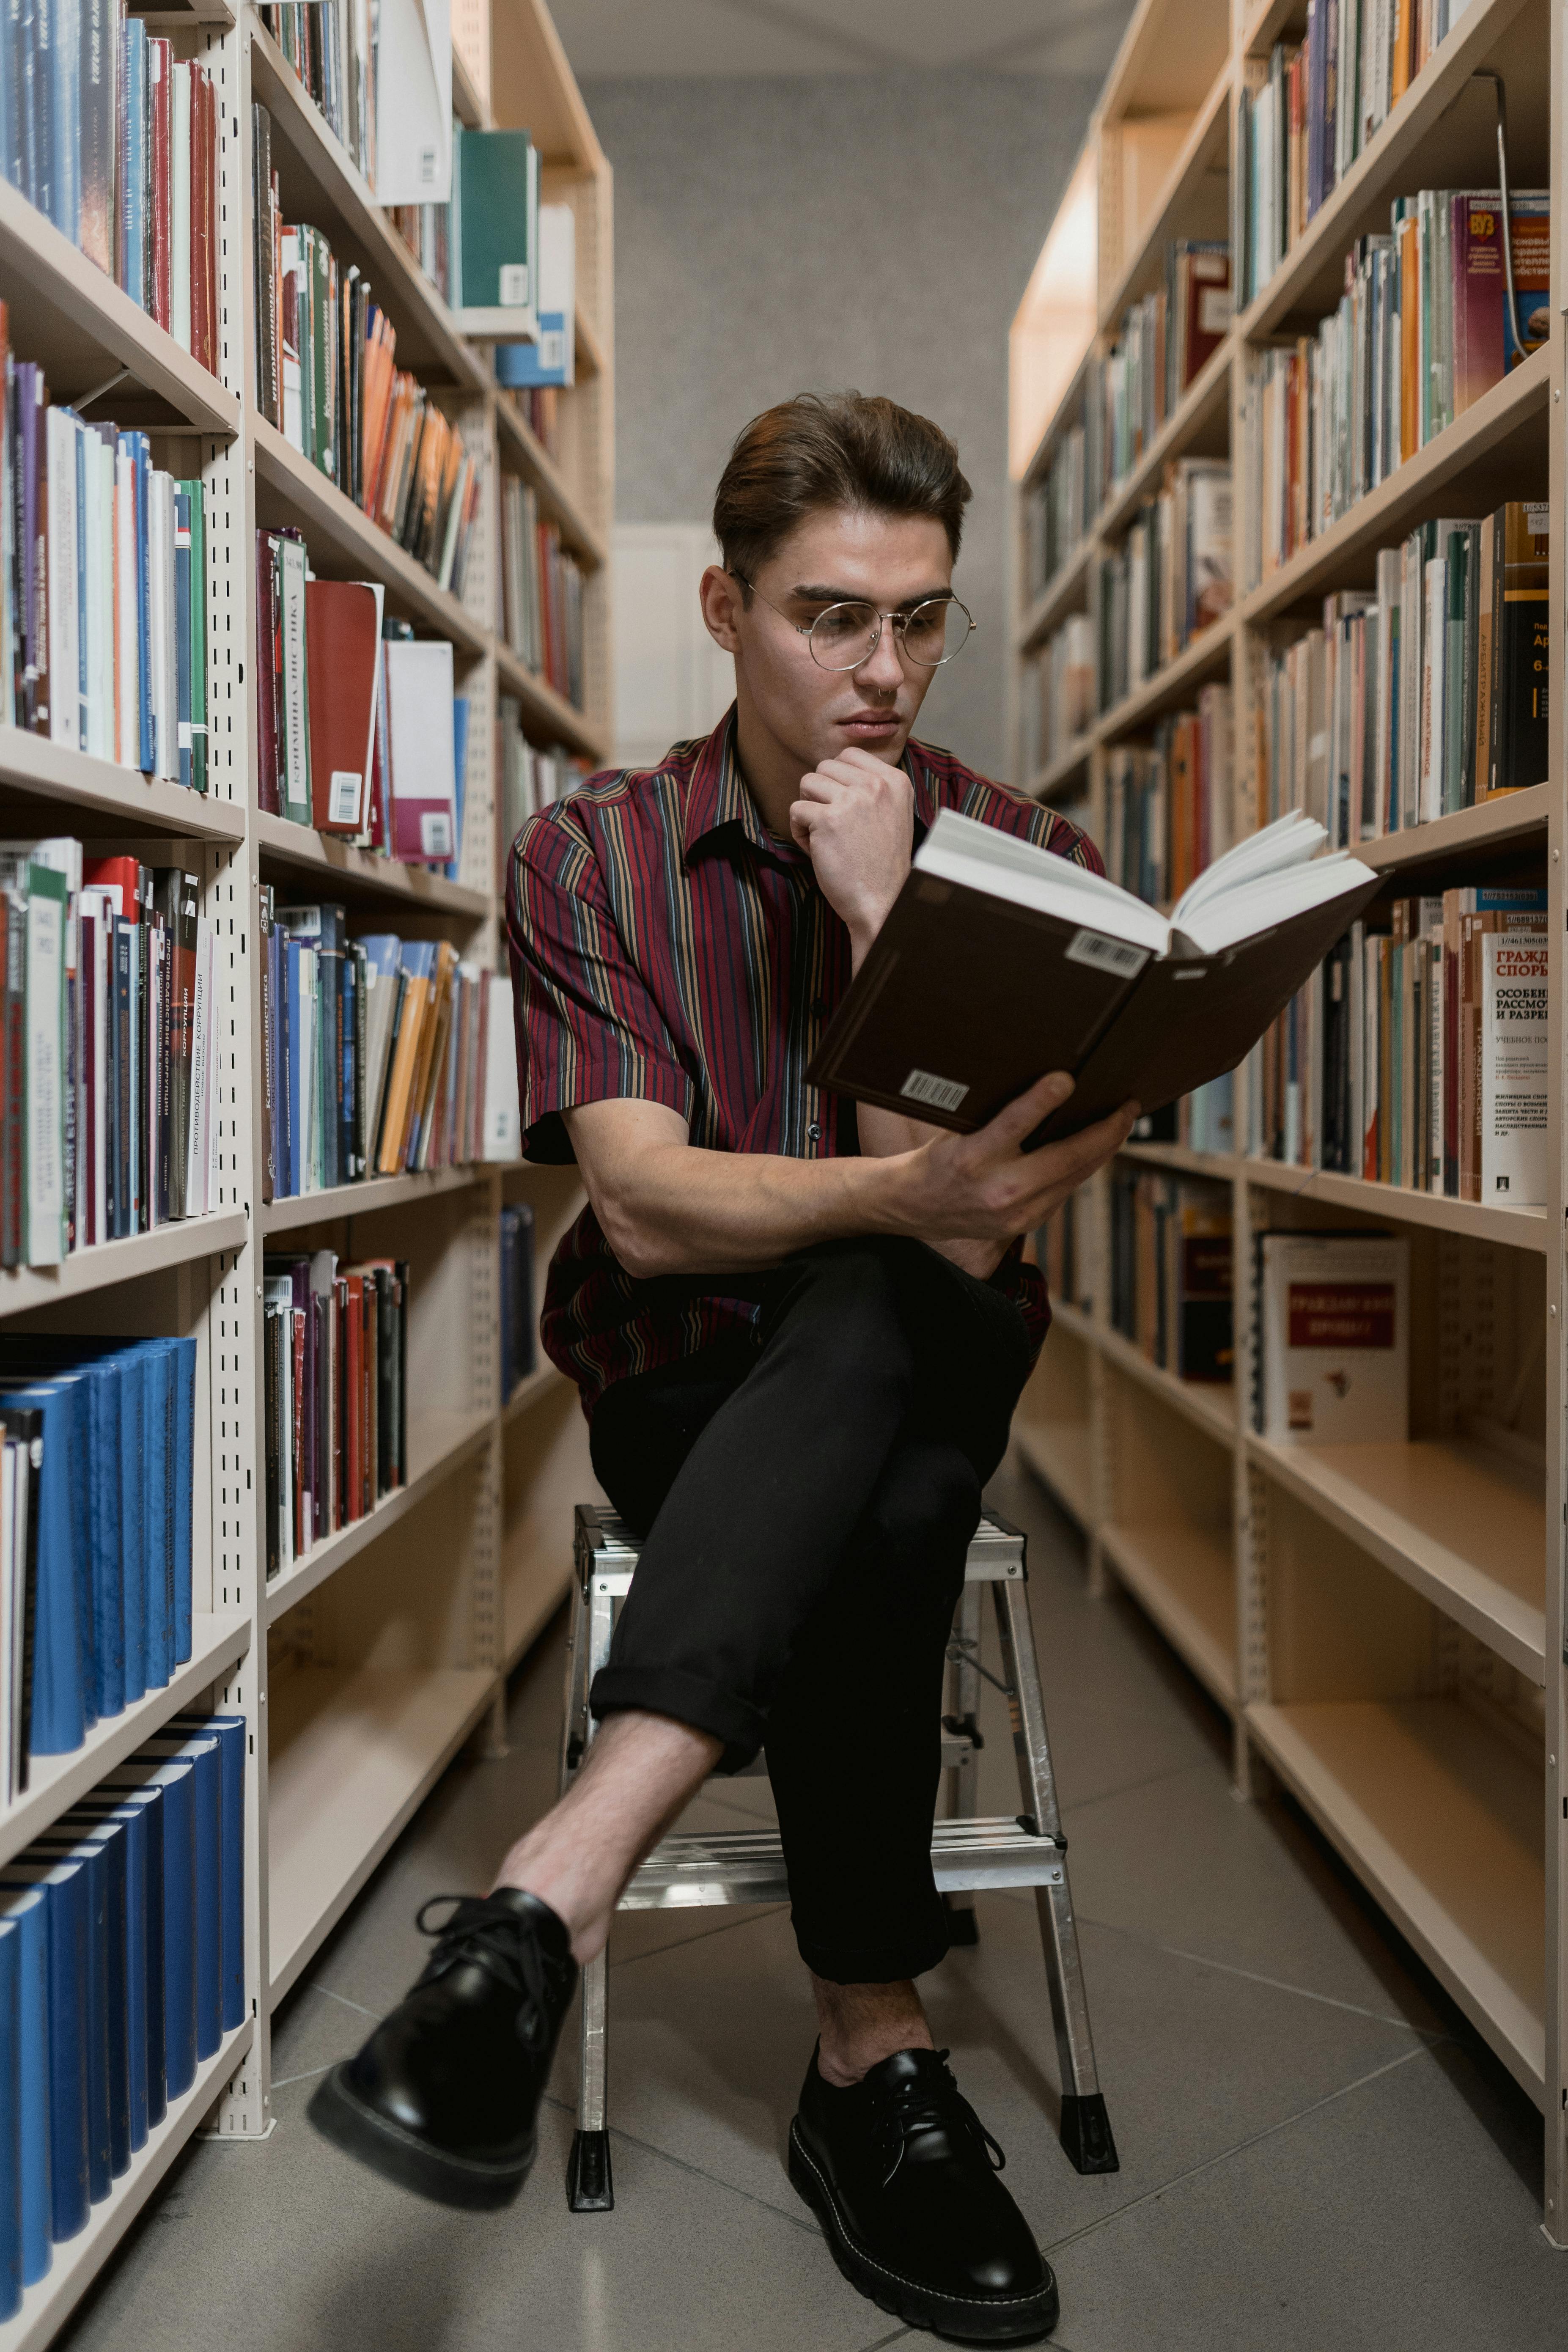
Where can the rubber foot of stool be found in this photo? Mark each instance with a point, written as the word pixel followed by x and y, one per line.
pixel 1086 2132
pixel 962 1923
pixel 589 2187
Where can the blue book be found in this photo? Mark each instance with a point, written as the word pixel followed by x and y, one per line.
pixel 103 1367
pixel 81 570
pixel 176 1780
pixel 11 39
pixel 203 1756
pixel 130 1787
pixel 102 1851
pixel 63 1675
pixel 10 2103
pixel 66 1886
pixel 26 1910
pixel 37 17
pixel 133 161
pixel 157 1462
pixel 233 1735
pixel 99 1812
pixel 132 1528
pixel 293 1038
pixel 141 459
pixel 182 1372
pixel 183 630
pixel 459 772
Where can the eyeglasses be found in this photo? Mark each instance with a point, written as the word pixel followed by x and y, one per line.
pixel 847 634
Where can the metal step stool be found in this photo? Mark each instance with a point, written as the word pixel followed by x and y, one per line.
pixel 968 1853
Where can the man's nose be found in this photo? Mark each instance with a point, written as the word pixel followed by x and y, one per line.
pixel 882 667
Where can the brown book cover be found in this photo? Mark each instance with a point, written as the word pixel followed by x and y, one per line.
pixel 342 642
pixel 411 1016
pixel 970 995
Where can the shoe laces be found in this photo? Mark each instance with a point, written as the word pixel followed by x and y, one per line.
pixel 498 1941
pixel 930 2101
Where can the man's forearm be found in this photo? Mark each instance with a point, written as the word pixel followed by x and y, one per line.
pixel 679 1210
pixel 884 1133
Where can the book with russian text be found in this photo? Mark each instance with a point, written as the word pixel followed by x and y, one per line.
pixel 1000 962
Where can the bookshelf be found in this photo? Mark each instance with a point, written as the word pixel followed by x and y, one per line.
pixel 1383 1625
pixel 367 1666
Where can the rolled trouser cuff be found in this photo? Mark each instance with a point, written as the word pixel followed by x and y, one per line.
pixel 688 1698
pixel 919 1942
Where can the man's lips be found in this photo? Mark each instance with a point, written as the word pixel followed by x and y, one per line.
pixel 871 722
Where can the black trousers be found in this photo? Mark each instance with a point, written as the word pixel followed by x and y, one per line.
pixel 807 1495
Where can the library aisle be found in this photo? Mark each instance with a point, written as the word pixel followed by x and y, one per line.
pixel 1316 2147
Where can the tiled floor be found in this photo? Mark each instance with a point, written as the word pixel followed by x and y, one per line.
pixel 1317 2154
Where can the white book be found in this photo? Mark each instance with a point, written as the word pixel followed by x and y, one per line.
pixel 46 1080
pixel 127 669
pixel 212 1118
pixel 291 264
pixel 96 607
pixel 166 485
pixel 309 1123
pixel 1335 1338
pixel 180 210
pixel 278 1296
pixel 1386 752
pixel 1515 1054
pixel 502 1137
pixel 65 712
pixel 157 1109
pixel 292 623
pixel 96 910
pixel 160 567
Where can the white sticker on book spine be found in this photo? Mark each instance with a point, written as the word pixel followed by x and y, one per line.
pixel 513 284
pixel 344 800
pixel 435 833
pixel 942 1094
pixel 1107 955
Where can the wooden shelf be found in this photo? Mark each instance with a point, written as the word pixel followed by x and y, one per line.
pixel 1065 414
pixel 1491 824
pixel 26 1286
pixel 1053 781
pixel 1441 1818
pixel 300 1209
pixel 590 352
pixel 78 2261
pixel 1464 1525
pixel 1205 400
pixel 57 1781
pixel 438 1444
pixel 1066 592
pixel 343 543
pixel 522 452
pixel 87 791
pixel 362 873
pixel 71 317
pixel 1346 553
pixel 1309 279
pixel 1268 24
pixel 1519 1228
pixel 1208 653
pixel 534 1387
pixel 1219 1165
pixel 466 104
pixel 545 711
pixel 1205 148
pixel 321 184
pixel 1164 61
pixel 1059 1453
pixel 1210 1406
pixel 352 1754
pixel 1182 1578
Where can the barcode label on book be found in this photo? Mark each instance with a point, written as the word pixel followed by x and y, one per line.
pixel 435 833
pixel 552 350
pixel 513 284
pixel 942 1094
pixel 345 797
pixel 1107 955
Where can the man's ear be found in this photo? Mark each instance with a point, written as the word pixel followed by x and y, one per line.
pixel 720 593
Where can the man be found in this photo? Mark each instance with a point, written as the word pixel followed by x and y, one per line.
pixel 799 1330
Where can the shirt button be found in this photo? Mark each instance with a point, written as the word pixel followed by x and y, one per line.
pixel 814 1132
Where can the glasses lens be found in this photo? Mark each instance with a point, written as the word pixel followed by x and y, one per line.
pixel 844 636
pixel 935 632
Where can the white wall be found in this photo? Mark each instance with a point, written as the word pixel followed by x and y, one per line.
pixel 671 679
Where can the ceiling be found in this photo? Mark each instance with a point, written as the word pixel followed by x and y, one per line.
pixel 684 37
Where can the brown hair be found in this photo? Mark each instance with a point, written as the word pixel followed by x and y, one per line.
pixel 844 450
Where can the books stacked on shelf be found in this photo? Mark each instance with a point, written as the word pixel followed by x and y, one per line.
pixel 1165 339
pixel 1169 804
pixel 377 1058
pixel 1418 1054
pixel 336 1356
pixel 426 231
pixel 1064 1253
pixel 1334 1338
pixel 518 1349
pixel 326 377
pixel 1314 107
pixel 1058 695
pixel 1205 1119
pixel 552 361
pixel 539 409
pixel 1171 1271
pixel 109 1120
pixel 1169 580
pixel 103 587
pixel 122 1966
pixel 1423 696
pixel 541 593
pixel 530 780
pixel 117 141
pixel 359 731
pixel 495 221
pixel 1420 333
pixel 333 53
pixel 1058 511
pixel 95 1535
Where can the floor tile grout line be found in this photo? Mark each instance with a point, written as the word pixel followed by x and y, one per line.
pixel 676 1943
pixel 698 2171
pixel 1431 2035
pixel 1270 2131
pixel 281 2082
pixel 374 2014
pixel 1130 1788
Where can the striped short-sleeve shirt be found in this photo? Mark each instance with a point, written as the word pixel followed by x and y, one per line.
pixel 666 948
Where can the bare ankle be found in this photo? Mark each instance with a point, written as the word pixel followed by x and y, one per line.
pixel 862 2025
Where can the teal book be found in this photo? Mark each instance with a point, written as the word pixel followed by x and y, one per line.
pixel 495 179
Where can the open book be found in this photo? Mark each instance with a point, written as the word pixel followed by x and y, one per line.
pixel 1000 962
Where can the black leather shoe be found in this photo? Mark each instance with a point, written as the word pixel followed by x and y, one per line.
pixel 901 2173
pixel 443 2097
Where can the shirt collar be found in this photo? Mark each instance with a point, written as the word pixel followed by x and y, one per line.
pixel 717 797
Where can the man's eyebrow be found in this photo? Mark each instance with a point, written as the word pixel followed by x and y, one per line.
pixel 818 593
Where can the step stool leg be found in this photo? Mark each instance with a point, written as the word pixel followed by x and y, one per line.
pixel 963 1717
pixel 575 1703
pixel 589 2186
pixel 1085 2127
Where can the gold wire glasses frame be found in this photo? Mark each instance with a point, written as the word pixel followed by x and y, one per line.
pixel 856 628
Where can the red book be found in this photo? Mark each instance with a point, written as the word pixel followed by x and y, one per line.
pixel 122 875
pixel 161 167
pixel 268 657
pixel 343 640
pixel 201 238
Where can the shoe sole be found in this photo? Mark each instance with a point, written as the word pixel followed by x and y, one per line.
pixel 399 2156
pixel 1025 2319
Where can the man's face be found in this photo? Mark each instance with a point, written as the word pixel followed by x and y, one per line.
pixel 890 562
